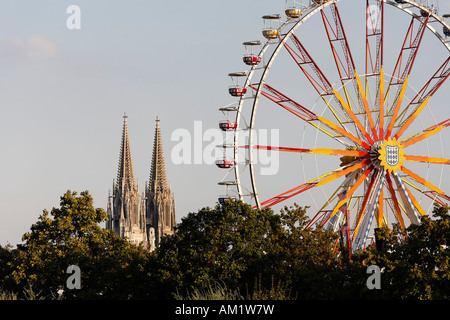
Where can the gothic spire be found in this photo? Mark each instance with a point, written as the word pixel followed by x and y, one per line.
pixel 125 174
pixel 158 181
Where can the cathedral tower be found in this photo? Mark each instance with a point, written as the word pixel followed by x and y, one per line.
pixel 142 219
pixel 159 200
pixel 124 214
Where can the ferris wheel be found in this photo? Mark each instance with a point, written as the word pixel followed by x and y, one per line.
pixel 350 95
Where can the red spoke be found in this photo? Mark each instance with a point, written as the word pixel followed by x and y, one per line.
pixel 286 195
pixel 305 114
pixel 335 32
pixel 374 29
pixel 411 43
pixel 301 56
pixel 286 103
pixel 395 200
pixel 331 176
pixel 340 49
pixel 350 153
pixel 428 90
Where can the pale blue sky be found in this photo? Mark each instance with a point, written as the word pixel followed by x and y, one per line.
pixel 63 93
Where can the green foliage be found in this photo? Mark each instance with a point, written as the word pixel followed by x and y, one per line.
pixel 71 235
pixel 5 295
pixel 215 291
pixel 275 292
pixel 227 252
pixel 237 244
pixel 415 261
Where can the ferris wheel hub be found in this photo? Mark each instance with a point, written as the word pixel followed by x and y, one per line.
pixel 392 155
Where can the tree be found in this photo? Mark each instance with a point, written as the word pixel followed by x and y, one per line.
pixel 71 235
pixel 416 261
pixel 238 245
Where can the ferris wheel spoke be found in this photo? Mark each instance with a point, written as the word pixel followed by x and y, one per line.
pixel 374 29
pixel 408 205
pixel 416 203
pixel 425 133
pixel 287 195
pixel 366 107
pixel 399 101
pixel 315 76
pixel 354 118
pixel 411 43
pixel 343 132
pixel 302 58
pixel 433 195
pixel 339 173
pixel 285 102
pixel 427 91
pixel 375 56
pixel 397 209
pixel 348 194
pixel 422 181
pixel 342 57
pixel 367 212
pixel 427 159
pixel 315 183
pixel 307 115
pixel 411 118
pixel 381 103
pixel 381 219
pixel 349 153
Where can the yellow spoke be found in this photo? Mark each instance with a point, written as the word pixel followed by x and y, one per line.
pixel 353 116
pixel 397 108
pixel 380 215
pixel 351 191
pixel 337 174
pixel 412 118
pixel 426 134
pixel 366 106
pixel 343 132
pixel 416 204
pixel 381 115
pixel 427 159
pixel 421 180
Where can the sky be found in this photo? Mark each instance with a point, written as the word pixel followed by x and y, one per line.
pixel 63 93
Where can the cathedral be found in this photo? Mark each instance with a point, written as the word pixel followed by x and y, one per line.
pixel 142 219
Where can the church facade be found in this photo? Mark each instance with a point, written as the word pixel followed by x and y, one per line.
pixel 141 218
